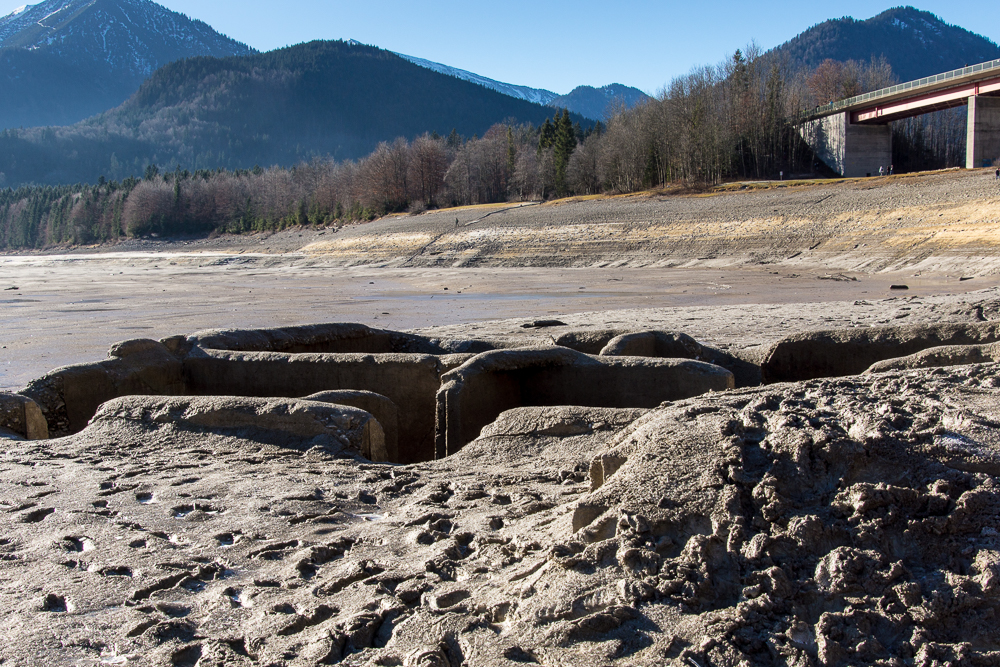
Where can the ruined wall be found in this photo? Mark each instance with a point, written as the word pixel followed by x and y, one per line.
pixel 408 380
pixel 21 417
pixel 320 338
pixel 472 395
pixel 425 410
pixel 590 341
pixel 69 396
pixel 336 338
pixel 818 354
pixel 384 410
pixel 663 344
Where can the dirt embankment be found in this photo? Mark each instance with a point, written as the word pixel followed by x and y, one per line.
pixel 934 222
pixel 937 221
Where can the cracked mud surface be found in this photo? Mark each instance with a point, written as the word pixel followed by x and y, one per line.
pixel 850 521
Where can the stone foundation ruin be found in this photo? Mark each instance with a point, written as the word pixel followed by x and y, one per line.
pixel 431 396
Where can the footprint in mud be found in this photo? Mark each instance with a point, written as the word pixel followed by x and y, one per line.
pixel 197 509
pixel 283 608
pixel 450 599
pixel 189 656
pixel 518 654
pixel 181 511
pixel 173 610
pixel 144 498
pixel 116 571
pixel 34 516
pixel 275 551
pixel 111 489
pixel 78 544
pixel 236 597
pixel 194 585
pixel 227 539
pixel 185 480
pixel 54 603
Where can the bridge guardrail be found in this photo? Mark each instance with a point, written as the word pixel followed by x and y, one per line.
pixel 833 107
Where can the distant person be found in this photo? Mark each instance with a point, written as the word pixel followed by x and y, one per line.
pixel 998 175
pixel 781 175
pixel 891 169
pixel 881 171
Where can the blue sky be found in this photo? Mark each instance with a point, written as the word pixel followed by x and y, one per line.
pixel 553 45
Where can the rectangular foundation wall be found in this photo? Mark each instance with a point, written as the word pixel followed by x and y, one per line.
pixel 982 147
pixel 411 381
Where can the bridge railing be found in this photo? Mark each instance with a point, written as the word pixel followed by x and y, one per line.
pixel 840 105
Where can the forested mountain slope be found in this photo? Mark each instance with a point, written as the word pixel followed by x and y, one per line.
pixel 64 60
pixel 319 99
pixel 916 43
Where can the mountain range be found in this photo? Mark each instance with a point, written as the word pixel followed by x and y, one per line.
pixel 311 100
pixel 593 103
pixel 916 43
pixel 161 88
pixel 64 60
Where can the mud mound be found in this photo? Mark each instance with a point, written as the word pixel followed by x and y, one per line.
pixel 850 522
pixel 835 522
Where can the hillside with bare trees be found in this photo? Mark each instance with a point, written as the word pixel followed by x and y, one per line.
pixel 732 121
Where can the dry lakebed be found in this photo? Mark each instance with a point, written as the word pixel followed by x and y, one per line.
pixel 754 426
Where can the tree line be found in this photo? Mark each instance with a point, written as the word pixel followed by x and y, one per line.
pixel 736 120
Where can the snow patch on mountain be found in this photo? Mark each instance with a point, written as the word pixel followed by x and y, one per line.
pixel 134 37
pixel 536 95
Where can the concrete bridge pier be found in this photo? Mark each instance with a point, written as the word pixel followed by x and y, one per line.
pixel 850 149
pixel 982 146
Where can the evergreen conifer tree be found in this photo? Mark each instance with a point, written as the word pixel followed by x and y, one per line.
pixel 564 143
pixel 547 137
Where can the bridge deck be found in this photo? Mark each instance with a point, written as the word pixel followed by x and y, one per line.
pixel 941 91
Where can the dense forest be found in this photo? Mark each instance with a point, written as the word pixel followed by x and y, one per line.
pixel 736 120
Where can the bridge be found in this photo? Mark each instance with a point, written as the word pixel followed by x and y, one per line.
pixel 853 136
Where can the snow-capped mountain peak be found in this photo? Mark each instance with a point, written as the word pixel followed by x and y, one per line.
pixel 584 100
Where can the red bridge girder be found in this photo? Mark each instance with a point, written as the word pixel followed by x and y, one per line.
pixel 921 104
